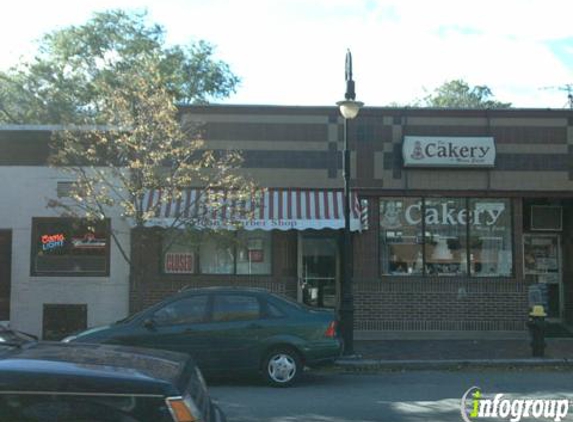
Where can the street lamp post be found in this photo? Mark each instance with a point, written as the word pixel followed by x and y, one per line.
pixel 349 108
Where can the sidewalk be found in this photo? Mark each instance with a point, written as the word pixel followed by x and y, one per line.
pixel 435 354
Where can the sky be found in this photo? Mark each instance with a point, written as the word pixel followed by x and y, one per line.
pixel 292 52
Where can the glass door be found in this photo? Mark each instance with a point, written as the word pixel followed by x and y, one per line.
pixel 542 269
pixel 318 270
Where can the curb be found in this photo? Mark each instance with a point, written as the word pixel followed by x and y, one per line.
pixel 379 364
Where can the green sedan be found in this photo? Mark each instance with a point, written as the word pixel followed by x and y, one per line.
pixel 231 330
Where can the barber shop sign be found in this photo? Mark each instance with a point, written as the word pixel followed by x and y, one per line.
pixel 439 151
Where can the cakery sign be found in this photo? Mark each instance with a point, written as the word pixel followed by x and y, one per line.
pixel 440 151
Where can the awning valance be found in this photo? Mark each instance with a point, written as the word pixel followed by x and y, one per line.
pixel 273 209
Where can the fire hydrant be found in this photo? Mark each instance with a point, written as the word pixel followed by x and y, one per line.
pixel 536 325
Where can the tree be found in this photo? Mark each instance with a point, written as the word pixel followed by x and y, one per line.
pixel 458 94
pixel 60 84
pixel 143 146
pixel 118 93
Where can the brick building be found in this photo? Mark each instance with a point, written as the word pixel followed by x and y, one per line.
pixel 469 215
pixel 461 219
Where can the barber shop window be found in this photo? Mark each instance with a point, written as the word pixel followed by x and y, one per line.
pixel 70 247
pixel 446 237
pixel 207 252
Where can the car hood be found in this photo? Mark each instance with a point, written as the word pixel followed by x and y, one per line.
pixel 83 367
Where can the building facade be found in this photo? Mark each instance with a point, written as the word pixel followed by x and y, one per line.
pixel 57 275
pixel 468 214
pixel 461 220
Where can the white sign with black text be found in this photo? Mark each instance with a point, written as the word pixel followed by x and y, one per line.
pixel 440 151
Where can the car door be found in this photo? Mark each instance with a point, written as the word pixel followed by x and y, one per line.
pixel 236 329
pixel 179 326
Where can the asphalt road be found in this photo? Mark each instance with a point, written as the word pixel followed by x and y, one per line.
pixel 389 396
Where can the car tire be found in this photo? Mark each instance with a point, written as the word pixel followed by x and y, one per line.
pixel 282 367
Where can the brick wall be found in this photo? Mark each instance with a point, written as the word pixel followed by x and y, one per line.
pixel 440 304
pixel 365 245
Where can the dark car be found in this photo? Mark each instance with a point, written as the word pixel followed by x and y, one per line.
pixel 232 330
pixel 59 382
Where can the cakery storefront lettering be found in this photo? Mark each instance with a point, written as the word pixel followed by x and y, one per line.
pixel 445 214
pixel 449 150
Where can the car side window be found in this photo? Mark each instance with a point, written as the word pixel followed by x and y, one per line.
pixel 189 310
pixel 235 308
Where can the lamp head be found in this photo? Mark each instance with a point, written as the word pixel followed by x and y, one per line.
pixel 349 108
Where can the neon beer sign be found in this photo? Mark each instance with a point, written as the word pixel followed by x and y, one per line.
pixel 52 241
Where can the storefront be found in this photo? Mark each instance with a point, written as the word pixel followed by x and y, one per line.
pixel 461 220
pixel 244 243
pixel 467 223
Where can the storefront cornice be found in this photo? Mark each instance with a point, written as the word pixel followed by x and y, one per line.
pixel 366 192
pixel 375 111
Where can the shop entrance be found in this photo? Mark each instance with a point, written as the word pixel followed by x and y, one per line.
pixel 317 270
pixel 542 269
pixel 5 273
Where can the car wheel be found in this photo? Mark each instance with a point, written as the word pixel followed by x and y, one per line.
pixel 282 367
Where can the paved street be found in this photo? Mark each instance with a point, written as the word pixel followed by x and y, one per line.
pixel 390 396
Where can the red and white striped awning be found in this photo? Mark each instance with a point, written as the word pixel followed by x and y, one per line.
pixel 274 209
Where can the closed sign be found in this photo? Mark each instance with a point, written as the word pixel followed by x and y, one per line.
pixel 178 263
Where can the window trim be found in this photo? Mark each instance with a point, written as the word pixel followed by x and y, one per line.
pixel 34 243
pixel 468 274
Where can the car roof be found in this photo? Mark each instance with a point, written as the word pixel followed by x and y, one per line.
pixel 223 289
pixel 83 367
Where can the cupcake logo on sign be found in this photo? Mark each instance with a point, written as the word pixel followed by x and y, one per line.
pixel 417 154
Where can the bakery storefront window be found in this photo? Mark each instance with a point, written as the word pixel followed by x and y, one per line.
pixel 491 238
pixel 446 237
pixel 206 252
pixel 67 246
pixel 401 228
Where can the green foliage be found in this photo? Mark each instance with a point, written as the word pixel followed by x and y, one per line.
pixel 60 84
pixel 142 146
pixel 458 94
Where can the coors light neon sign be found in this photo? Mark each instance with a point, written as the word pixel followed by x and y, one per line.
pixel 439 151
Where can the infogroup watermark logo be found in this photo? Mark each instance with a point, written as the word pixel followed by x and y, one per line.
pixel 477 406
